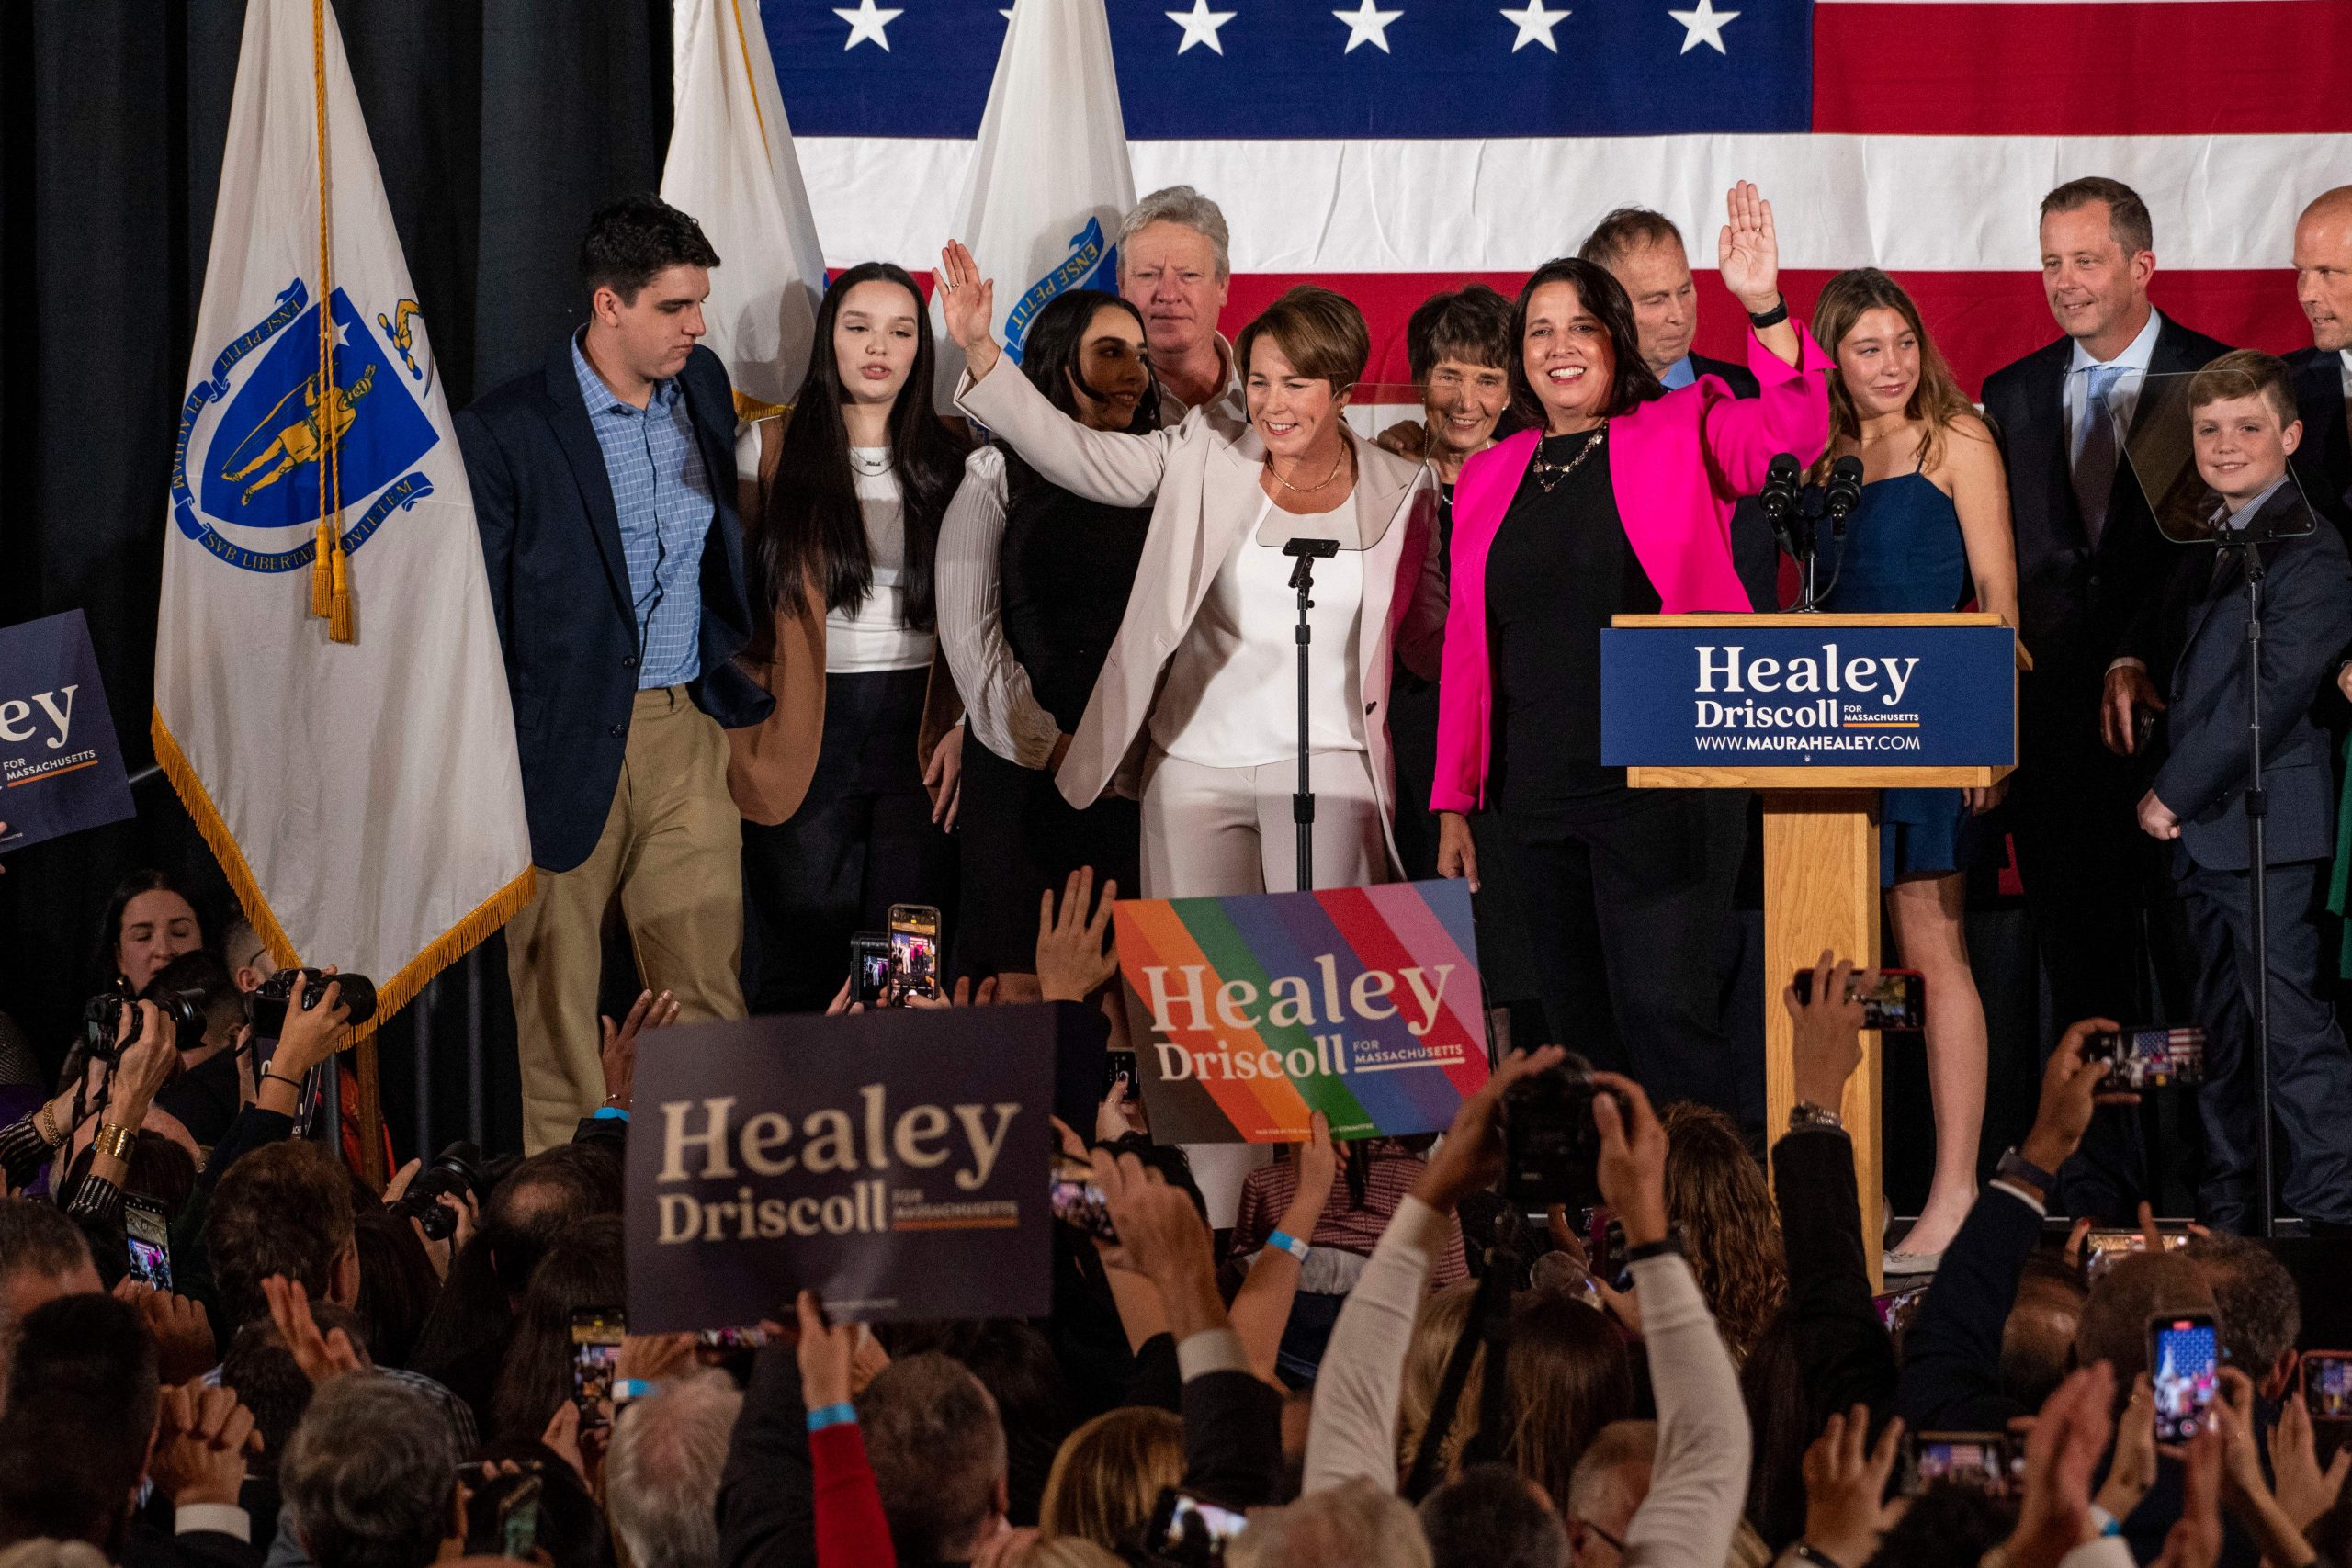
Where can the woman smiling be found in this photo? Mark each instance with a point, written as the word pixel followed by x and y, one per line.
pixel 1193 709
pixel 1618 500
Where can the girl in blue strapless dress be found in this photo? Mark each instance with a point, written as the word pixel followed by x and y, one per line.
pixel 1931 533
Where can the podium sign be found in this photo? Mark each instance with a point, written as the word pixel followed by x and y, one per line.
pixel 1806 693
pixel 1817 713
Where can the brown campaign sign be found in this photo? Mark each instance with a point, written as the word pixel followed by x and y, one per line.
pixel 895 1162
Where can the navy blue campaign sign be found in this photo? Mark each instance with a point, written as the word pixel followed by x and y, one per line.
pixel 896 1163
pixel 60 768
pixel 1807 692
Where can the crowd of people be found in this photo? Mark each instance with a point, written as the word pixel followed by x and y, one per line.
pixel 962 643
pixel 1386 1365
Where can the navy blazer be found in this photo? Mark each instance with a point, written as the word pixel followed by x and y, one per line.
pixel 2323 462
pixel 2193 642
pixel 559 584
pixel 1754 553
pixel 2075 602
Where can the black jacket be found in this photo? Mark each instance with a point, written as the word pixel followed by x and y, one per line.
pixel 559 584
pixel 2193 641
pixel 2323 462
pixel 2075 602
pixel 1846 1353
pixel 1951 1353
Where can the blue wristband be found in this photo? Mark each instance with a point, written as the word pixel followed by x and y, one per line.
pixel 627 1389
pixel 609 1113
pixel 1289 1244
pixel 824 1416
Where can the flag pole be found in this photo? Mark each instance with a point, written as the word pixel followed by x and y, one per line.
pixel 330 572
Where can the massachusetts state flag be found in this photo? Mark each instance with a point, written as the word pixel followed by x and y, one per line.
pixel 1390 148
pixel 362 794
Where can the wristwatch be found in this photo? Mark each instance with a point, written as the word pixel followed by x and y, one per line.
pixel 2016 1166
pixel 1772 317
pixel 1806 1115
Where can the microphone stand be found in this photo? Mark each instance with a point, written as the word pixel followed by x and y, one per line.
pixel 1305 553
pixel 2257 811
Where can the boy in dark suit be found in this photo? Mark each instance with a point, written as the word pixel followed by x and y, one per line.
pixel 2187 657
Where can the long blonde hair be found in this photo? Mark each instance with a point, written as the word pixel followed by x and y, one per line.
pixel 1109 1475
pixel 1936 401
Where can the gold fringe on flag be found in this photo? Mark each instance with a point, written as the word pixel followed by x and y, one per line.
pixel 341 609
pixel 391 994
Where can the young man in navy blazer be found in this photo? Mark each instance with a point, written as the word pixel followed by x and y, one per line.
pixel 2185 659
pixel 2089 558
pixel 603 486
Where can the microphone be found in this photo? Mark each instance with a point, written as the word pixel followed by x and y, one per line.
pixel 1844 491
pixel 1778 498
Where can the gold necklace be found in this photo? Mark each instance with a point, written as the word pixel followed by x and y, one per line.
pixel 1548 474
pixel 1309 489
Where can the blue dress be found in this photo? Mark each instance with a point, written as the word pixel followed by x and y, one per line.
pixel 1904 552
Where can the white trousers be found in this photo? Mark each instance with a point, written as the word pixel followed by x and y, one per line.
pixel 1210 831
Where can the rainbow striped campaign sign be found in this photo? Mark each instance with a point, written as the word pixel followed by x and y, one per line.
pixel 1251 1013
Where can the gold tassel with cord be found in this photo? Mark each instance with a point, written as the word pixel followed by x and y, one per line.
pixel 323 570
pixel 340 608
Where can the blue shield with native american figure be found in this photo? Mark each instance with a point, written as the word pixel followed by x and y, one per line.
pixel 260 467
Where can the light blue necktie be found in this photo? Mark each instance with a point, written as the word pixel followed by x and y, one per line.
pixel 2097 450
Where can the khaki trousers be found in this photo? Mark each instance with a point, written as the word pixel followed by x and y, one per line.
pixel 670 856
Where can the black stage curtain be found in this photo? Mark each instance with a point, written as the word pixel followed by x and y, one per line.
pixel 499 126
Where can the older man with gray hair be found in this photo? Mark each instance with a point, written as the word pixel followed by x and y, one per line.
pixel 371 1476
pixel 1176 265
pixel 662 1472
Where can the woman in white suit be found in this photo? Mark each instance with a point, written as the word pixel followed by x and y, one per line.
pixel 1196 708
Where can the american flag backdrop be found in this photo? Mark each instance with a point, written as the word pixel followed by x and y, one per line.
pixel 1390 148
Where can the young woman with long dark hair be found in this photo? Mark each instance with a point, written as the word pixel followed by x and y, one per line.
pixel 1033 581
pixel 1931 532
pixel 853 489
pixel 1617 500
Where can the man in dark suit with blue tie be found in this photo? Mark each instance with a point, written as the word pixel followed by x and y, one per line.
pixel 603 486
pixel 2185 659
pixel 2323 372
pixel 2089 558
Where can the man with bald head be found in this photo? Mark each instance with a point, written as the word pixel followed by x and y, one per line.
pixel 2323 371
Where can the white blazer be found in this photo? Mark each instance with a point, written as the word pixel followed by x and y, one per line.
pixel 1204 473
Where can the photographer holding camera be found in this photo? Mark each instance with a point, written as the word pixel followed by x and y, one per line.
pixel 140 1057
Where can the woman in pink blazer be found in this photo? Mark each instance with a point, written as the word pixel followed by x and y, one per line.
pixel 1617 500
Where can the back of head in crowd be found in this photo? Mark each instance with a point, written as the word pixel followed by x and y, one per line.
pixel 540 1199
pixel 284 1209
pixel 2114 1326
pixel 937 1449
pixel 1489 1517
pixel 2038 1338
pixel 1109 1475
pixel 371 1476
pixel 1715 1192
pixel 2262 1316
pixel 582 1270
pixel 43 1256
pixel 1016 1364
pixel 81 1400
pixel 1609 1483
pixel 662 1471
pixel 1353 1525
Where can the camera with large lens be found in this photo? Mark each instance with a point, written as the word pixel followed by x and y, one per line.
pixel 454 1171
pixel 268 1005
pixel 1551 1149
pixel 102 1016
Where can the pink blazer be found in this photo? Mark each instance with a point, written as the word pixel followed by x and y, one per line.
pixel 1678 464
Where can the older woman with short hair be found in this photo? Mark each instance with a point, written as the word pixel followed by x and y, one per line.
pixel 1193 708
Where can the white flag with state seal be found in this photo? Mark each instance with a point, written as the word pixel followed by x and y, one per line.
pixel 1049 180
pixel 732 166
pixel 330 700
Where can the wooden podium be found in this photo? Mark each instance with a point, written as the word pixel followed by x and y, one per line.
pixel 1821 867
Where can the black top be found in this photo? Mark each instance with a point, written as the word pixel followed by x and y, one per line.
pixel 1065 568
pixel 1560 566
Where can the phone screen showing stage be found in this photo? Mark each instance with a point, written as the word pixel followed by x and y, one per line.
pixel 2184 1353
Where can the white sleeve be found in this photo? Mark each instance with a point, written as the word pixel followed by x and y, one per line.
pixel 1698 1483
pixel 1353 1431
pixel 999 709
pixel 1101 464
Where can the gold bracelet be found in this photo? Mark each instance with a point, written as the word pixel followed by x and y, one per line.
pixel 45 1124
pixel 114 1139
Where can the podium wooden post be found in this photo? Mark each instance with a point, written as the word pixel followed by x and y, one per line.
pixel 1821 876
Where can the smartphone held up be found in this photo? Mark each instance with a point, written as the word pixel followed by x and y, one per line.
pixel 1894 1000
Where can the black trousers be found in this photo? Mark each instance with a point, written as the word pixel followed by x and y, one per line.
pixel 2106 917
pixel 861 841
pixel 1621 901
pixel 2310 1066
